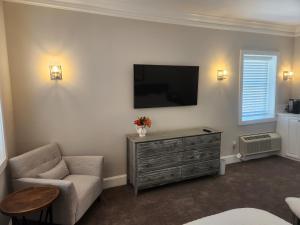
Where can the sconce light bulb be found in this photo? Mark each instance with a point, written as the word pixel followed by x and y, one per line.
pixel 55 72
pixel 222 74
pixel 288 75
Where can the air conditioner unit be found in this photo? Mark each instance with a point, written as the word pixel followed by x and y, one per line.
pixel 259 145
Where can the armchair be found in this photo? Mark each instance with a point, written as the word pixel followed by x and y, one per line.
pixel 79 189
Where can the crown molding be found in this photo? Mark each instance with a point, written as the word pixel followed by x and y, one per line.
pixel 123 10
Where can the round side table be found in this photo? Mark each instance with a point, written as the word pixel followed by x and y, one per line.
pixel 22 203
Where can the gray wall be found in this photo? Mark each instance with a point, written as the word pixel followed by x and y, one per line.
pixel 91 110
pixel 6 103
pixel 296 80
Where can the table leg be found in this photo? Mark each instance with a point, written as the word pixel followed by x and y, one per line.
pixel 14 220
pixel 24 221
pixel 46 216
pixel 41 217
pixel 51 215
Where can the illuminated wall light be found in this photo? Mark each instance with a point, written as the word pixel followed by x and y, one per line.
pixel 288 75
pixel 222 74
pixel 55 72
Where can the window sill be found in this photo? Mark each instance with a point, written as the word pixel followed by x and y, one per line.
pixel 3 165
pixel 253 122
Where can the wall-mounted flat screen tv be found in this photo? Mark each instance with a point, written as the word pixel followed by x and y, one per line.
pixel 164 86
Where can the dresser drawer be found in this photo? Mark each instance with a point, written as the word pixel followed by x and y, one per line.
pixel 200 156
pixel 158 162
pixel 199 169
pixel 202 140
pixel 200 148
pixel 159 177
pixel 152 148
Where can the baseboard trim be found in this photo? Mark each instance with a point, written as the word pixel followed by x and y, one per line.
pixel 115 181
pixel 230 159
pixel 288 157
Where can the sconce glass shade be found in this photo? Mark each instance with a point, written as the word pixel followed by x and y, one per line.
pixel 221 74
pixel 288 75
pixel 55 72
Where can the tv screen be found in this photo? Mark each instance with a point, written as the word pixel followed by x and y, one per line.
pixel 162 86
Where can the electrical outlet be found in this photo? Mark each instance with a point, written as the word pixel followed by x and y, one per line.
pixel 233 144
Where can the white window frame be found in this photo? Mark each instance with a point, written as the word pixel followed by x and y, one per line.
pixel 3 160
pixel 255 52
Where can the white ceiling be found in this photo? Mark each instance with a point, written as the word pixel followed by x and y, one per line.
pixel 280 17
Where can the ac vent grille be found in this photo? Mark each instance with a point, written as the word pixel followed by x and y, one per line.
pixel 254 137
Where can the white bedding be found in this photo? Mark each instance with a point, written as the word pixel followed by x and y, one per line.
pixel 241 216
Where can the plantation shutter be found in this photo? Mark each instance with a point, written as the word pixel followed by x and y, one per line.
pixel 258 87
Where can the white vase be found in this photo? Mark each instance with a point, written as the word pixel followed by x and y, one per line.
pixel 141 130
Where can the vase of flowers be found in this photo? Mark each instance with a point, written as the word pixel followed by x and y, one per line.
pixel 141 124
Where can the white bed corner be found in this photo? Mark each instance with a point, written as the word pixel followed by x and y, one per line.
pixel 241 216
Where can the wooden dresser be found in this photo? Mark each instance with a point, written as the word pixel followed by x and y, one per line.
pixel 166 157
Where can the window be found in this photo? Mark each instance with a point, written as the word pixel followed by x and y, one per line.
pixel 2 144
pixel 257 87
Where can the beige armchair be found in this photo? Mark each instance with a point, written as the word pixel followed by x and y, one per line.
pixel 80 187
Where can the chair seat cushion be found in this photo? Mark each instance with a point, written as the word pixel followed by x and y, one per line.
pixel 87 189
pixel 242 216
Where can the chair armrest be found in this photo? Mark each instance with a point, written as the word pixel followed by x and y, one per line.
pixel 85 165
pixel 294 205
pixel 65 205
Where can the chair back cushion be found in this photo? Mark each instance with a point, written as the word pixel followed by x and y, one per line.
pixel 37 161
pixel 59 172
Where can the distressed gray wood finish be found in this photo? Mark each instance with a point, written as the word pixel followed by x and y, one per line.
pixel 198 169
pixel 165 157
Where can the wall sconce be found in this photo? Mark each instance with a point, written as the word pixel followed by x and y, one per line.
pixel 288 75
pixel 221 74
pixel 55 72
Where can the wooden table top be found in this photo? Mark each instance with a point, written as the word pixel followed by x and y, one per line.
pixel 29 200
